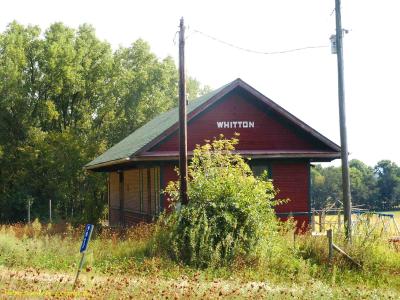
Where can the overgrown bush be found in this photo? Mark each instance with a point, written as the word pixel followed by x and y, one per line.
pixel 230 212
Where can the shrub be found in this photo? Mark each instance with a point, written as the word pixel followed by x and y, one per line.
pixel 230 211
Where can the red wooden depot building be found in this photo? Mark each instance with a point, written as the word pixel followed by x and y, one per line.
pixel 141 165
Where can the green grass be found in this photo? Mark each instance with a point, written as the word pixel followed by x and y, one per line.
pixel 43 259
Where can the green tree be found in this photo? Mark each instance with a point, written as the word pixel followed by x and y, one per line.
pixel 363 184
pixel 388 184
pixel 65 97
pixel 195 89
pixel 19 52
pixel 325 186
pixel 375 188
pixel 146 86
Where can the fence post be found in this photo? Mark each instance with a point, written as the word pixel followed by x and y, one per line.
pixel 313 220
pixel 329 234
pixel 396 225
pixel 29 211
pixel 322 221
pixel 50 217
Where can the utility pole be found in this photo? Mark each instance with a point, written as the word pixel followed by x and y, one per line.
pixel 343 130
pixel 182 117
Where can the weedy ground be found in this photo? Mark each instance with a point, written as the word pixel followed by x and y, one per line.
pixel 40 261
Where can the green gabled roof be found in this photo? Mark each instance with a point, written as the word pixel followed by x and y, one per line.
pixel 147 133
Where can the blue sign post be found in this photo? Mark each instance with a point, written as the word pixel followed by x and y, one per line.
pixel 86 237
pixel 85 242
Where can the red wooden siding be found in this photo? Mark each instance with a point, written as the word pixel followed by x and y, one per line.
pixel 291 179
pixel 270 131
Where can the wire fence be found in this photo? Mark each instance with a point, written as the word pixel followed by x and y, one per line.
pixel 363 220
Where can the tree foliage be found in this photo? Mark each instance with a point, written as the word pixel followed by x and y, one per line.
pixel 376 188
pixel 65 97
pixel 229 213
pixel 388 179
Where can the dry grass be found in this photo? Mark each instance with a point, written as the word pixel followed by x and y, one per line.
pixel 375 223
pixel 37 284
pixel 39 261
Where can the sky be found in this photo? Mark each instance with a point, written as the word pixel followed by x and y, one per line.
pixel 303 82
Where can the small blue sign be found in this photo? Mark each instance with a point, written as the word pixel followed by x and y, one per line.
pixel 86 237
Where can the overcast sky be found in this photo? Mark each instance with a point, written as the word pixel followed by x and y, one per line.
pixel 303 82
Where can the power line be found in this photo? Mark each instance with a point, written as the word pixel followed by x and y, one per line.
pixel 256 51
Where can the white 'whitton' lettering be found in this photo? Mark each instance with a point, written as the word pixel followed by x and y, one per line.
pixel 235 124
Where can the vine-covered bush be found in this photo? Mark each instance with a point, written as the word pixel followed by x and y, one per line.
pixel 229 214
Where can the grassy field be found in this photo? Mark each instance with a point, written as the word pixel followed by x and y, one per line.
pixel 40 261
pixel 395 213
pixel 374 222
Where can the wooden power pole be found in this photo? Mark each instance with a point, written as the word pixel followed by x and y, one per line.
pixel 343 130
pixel 182 117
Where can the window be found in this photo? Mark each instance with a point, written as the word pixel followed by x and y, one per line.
pixel 258 167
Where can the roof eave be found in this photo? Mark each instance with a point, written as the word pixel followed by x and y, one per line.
pixel 277 155
pixel 149 157
pixel 106 164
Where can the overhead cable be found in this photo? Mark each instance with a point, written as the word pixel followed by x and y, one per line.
pixel 256 51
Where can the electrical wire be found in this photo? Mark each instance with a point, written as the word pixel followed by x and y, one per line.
pixel 255 51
